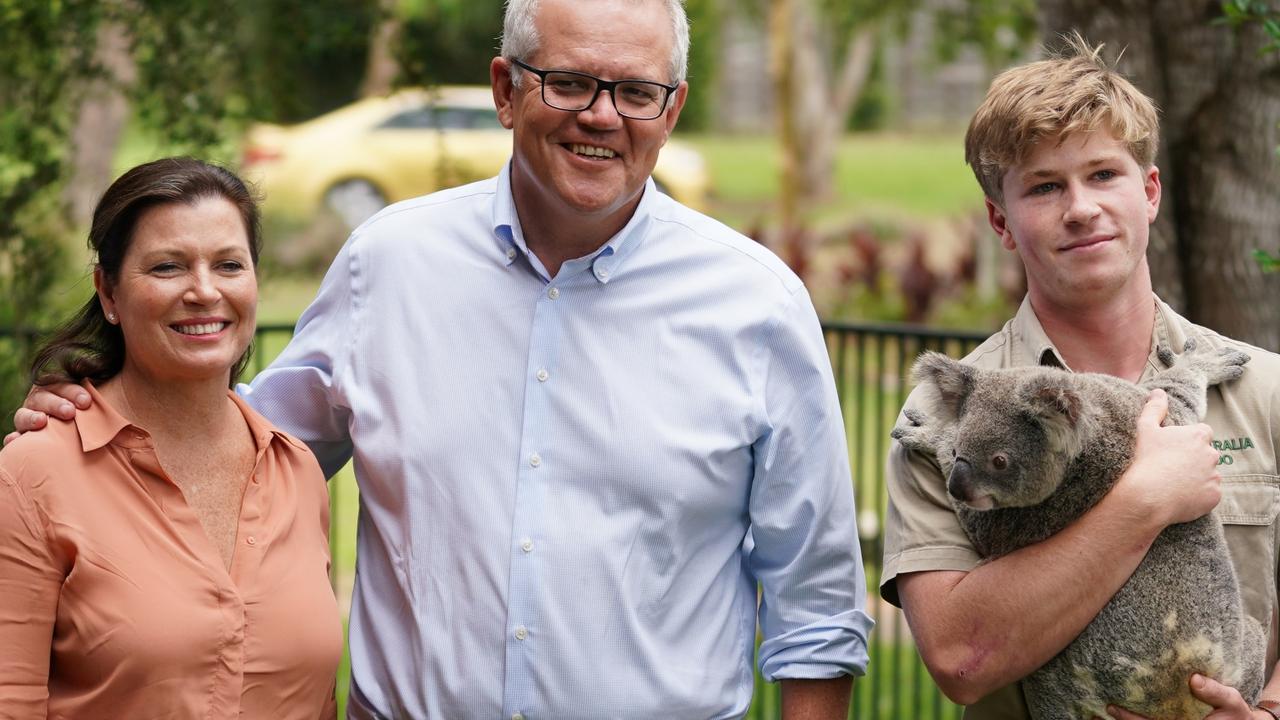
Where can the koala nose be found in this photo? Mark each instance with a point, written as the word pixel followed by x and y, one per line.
pixel 959 484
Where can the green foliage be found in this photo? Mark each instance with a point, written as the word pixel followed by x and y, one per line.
pixel 1000 29
pixel 303 58
pixel 1242 12
pixel 705 19
pixel 189 83
pixel 448 41
pixel 1237 13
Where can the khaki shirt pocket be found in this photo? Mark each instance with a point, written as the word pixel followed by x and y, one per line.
pixel 1249 507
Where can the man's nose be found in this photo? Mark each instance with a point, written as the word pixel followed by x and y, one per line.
pixel 1082 206
pixel 602 113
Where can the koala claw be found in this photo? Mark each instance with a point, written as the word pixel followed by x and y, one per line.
pixel 912 432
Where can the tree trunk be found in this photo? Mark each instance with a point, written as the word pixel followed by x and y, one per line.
pixel 781 39
pixel 381 68
pixel 1220 102
pixel 99 124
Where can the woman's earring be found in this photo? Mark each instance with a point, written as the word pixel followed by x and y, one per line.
pixel 111 318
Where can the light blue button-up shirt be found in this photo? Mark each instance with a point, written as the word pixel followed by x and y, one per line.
pixel 571 486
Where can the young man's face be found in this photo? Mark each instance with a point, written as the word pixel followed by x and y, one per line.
pixel 1078 212
pixel 593 162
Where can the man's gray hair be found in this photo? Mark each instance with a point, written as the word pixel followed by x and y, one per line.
pixel 520 35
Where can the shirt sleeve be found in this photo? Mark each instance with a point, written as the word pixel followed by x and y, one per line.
pixel 803 543
pixel 30 580
pixel 302 391
pixel 921 531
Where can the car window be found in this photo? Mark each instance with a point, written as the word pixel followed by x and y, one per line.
pixel 444 118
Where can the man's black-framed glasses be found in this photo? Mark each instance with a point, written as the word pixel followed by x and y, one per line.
pixel 575 92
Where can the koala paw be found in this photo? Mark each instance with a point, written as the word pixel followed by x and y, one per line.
pixel 1220 366
pixel 914 431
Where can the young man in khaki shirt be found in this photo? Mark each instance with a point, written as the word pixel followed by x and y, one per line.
pixel 1064 150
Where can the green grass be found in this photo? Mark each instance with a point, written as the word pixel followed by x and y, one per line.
pixel 882 176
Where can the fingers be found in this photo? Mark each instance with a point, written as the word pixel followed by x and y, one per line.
pixel 25 420
pixel 1155 410
pixel 59 400
pixel 11 437
pixel 1214 693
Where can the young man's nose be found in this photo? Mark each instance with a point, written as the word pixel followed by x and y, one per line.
pixel 1081 206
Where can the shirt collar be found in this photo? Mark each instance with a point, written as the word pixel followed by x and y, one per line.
pixel 1031 339
pixel 100 424
pixel 1040 350
pixel 604 261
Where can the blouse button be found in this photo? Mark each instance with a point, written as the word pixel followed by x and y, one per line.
pixel 251 540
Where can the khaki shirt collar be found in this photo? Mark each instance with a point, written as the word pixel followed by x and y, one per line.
pixel 1032 345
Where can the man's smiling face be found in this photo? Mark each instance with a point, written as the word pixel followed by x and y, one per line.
pixel 593 162
pixel 1078 211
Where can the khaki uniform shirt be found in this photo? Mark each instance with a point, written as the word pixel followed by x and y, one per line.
pixel 923 534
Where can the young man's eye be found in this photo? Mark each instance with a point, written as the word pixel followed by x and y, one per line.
pixel 1043 188
pixel 1105 174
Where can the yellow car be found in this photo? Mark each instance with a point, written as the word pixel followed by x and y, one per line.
pixel 373 152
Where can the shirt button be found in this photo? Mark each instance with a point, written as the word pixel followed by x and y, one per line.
pixel 511 253
pixel 543 375
pixel 553 293
pixel 251 540
pixel 602 273
pixel 526 545
pixel 521 632
pixel 518 716
pixel 535 459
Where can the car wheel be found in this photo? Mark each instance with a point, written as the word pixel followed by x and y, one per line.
pixel 354 201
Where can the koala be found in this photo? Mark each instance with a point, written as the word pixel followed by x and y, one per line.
pixel 1025 451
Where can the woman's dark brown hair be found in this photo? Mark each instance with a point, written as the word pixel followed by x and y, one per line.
pixel 89 347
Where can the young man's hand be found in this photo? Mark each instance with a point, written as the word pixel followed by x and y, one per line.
pixel 1174 474
pixel 59 400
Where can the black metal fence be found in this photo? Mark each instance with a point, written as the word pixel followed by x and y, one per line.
pixel 871 364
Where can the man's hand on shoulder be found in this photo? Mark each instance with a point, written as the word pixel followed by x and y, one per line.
pixel 59 400
pixel 1225 700
pixel 1173 477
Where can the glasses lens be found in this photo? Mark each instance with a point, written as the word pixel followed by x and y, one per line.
pixel 640 100
pixel 568 91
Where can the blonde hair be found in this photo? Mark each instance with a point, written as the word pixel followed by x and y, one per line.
pixel 1073 91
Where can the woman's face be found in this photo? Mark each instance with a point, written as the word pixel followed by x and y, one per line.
pixel 186 297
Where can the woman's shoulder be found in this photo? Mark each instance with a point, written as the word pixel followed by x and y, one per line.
pixel 34 457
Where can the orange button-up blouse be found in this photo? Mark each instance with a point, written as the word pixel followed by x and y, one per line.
pixel 115 604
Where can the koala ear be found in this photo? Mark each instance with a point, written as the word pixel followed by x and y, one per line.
pixel 953 380
pixel 1062 413
pixel 1054 401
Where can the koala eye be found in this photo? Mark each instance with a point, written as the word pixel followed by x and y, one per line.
pixel 999 461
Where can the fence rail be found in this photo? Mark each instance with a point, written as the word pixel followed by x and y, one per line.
pixel 871 364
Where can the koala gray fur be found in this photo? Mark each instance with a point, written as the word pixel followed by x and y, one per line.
pixel 1028 450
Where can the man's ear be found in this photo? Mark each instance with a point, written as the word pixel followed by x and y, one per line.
pixel 1000 223
pixel 952 380
pixel 677 104
pixel 1151 185
pixel 503 90
pixel 105 293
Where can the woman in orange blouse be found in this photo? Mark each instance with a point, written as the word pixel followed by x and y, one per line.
pixel 165 554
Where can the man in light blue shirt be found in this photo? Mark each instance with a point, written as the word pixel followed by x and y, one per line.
pixel 587 422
